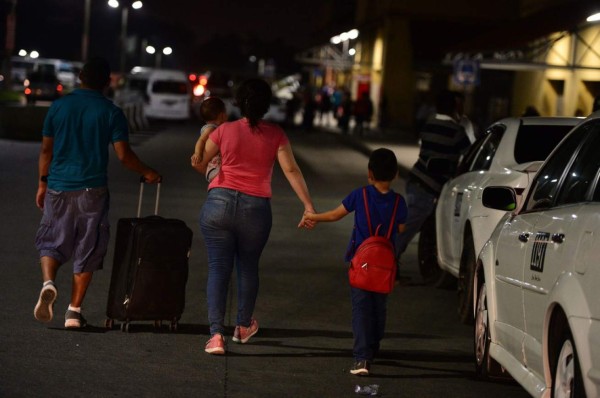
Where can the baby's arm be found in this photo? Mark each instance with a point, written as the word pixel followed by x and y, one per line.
pixel 200 145
pixel 328 216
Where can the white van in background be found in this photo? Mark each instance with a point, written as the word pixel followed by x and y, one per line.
pixel 67 72
pixel 166 92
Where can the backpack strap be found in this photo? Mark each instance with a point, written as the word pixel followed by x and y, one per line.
pixel 389 233
pixel 367 210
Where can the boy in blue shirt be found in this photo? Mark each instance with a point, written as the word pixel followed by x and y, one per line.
pixel 369 308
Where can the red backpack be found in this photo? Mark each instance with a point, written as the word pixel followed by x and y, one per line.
pixel 373 266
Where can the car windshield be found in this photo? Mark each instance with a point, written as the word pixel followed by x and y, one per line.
pixel 535 142
pixel 37 77
pixel 169 87
pixel 138 84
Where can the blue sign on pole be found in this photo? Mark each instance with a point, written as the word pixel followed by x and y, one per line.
pixel 466 72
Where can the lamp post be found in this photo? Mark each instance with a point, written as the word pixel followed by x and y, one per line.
pixel 136 5
pixel 85 37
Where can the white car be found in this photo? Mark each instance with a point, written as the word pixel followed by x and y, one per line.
pixel 275 114
pixel 537 307
pixel 509 153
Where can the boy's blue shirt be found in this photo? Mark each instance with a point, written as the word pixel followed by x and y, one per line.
pixel 381 207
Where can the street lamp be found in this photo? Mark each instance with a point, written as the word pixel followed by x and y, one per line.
pixel 158 59
pixel 136 5
pixel 594 17
pixel 32 54
pixel 345 38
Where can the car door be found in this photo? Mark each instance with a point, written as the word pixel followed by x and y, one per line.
pixel 521 249
pixel 559 230
pixel 455 202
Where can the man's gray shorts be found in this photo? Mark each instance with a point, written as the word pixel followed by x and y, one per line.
pixel 75 225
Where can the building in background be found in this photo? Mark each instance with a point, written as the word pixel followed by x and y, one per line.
pixel 504 56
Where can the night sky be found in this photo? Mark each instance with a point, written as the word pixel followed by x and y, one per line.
pixel 54 28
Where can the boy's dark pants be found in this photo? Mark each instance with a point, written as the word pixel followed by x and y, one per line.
pixel 368 322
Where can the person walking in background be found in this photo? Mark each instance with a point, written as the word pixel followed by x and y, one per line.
pixel 324 106
pixel 344 111
pixel 309 108
pixel 72 190
pixel 369 308
pixel 363 112
pixel 442 139
pixel 530 110
pixel 236 217
pixel 214 113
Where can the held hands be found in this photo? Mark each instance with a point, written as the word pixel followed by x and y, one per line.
pixel 306 221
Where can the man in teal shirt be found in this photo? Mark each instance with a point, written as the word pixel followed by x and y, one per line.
pixel 72 190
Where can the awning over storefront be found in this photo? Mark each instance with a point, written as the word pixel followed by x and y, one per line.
pixel 518 34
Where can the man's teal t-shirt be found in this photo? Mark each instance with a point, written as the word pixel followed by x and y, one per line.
pixel 82 124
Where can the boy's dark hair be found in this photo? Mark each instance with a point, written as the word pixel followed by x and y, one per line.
pixel 211 108
pixel 383 164
pixel 96 73
pixel 253 98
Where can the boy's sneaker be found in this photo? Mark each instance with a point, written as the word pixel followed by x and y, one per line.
pixel 43 309
pixel 216 344
pixel 74 320
pixel 360 368
pixel 242 334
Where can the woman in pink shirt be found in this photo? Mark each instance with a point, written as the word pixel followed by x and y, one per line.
pixel 236 218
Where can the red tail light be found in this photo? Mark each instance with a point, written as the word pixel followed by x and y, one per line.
pixel 59 88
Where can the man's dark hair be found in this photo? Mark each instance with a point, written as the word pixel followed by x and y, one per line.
pixel 253 98
pixel 211 108
pixel 96 73
pixel 446 102
pixel 383 164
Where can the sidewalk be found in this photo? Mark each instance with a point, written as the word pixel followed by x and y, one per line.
pixel 403 143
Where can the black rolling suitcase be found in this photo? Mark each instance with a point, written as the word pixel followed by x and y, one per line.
pixel 150 269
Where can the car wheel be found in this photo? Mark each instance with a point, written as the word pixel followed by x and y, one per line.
pixel 567 380
pixel 429 268
pixel 465 282
pixel 485 366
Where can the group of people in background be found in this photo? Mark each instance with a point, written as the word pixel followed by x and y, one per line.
pixel 331 107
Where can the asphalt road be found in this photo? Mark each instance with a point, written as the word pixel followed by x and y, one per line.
pixel 303 348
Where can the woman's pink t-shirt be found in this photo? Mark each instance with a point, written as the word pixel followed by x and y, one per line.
pixel 247 156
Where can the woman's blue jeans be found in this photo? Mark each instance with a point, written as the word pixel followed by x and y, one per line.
pixel 236 228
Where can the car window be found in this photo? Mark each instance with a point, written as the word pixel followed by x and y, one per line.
pixel 484 157
pixel 582 174
pixel 467 159
pixel 535 142
pixel 547 180
pixel 169 87
pixel 138 84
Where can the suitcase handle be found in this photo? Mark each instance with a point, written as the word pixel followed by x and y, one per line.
pixel 142 182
